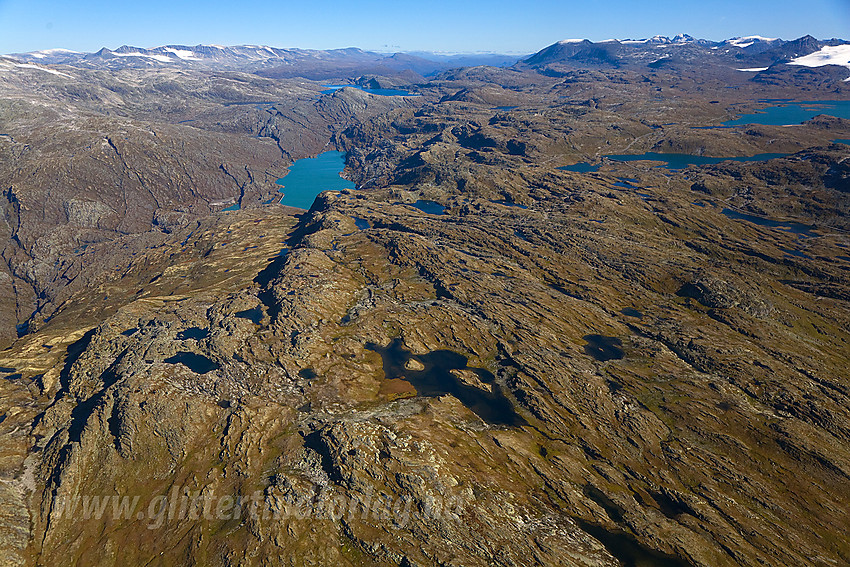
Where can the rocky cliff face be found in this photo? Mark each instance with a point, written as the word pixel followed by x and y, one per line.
pixel 476 358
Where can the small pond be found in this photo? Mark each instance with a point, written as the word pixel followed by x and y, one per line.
pixel 436 379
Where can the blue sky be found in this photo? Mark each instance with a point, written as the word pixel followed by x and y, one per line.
pixel 436 25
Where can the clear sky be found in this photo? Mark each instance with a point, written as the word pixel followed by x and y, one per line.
pixel 435 25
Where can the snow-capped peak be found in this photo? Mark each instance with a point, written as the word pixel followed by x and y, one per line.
pixel 660 39
pixel 48 52
pixel 749 40
pixel 759 38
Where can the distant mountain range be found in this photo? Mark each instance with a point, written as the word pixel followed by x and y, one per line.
pixel 753 54
pixel 266 61
pixel 746 54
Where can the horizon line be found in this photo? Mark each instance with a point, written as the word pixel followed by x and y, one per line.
pixel 447 53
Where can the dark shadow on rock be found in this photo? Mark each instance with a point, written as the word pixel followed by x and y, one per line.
pixel 317 444
pixel 264 279
pixel 83 410
pixel 75 350
pixel 629 551
pixel 271 271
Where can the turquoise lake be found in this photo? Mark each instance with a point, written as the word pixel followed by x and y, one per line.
pixel 310 176
pixel 794 113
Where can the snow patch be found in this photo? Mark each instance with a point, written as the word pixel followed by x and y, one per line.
pixel 45 69
pixel 160 58
pixel 184 54
pixel 564 41
pixel 744 42
pixel 749 40
pixel 829 55
pixel 46 52
pixel 754 69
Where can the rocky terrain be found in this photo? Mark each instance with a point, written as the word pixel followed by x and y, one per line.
pixel 475 358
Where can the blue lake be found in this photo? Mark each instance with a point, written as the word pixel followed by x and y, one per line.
pixel 436 379
pixel 581 167
pixel 430 207
pixel 310 176
pixel 671 161
pixel 382 92
pixel 800 229
pixel 681 161
pixel 794 113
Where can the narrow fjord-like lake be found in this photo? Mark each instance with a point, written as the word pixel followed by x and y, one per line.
pixel 670 161
pixel 310 176
pixel 681 161
pixel 382 92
